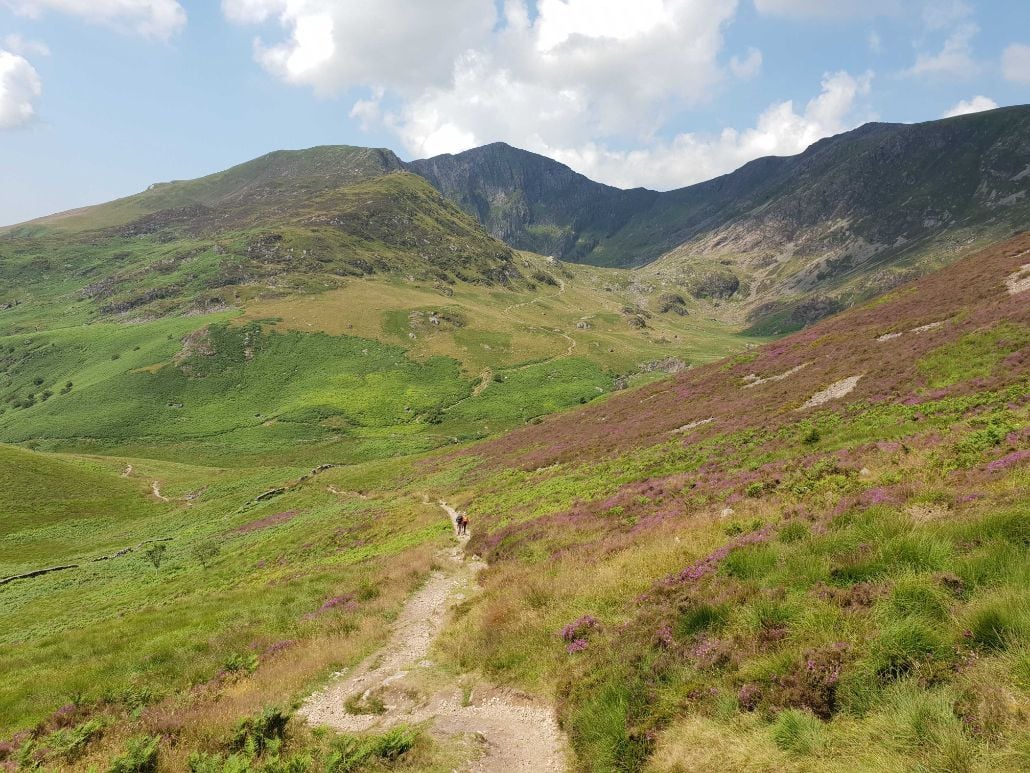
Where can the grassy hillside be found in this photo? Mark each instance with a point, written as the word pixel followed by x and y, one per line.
pixel 746 565
pixel 750 566
pixel 247 598
pixel 228 423
pixel 376 367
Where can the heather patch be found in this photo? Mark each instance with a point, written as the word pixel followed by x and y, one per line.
pixel 267 522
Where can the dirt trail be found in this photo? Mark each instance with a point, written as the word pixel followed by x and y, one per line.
pixel 517 733
pixel 155 487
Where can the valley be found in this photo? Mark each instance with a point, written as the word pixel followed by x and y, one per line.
pixel 744 493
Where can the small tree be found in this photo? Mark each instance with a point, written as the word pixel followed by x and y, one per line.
pixel 155 554
pixel 206 552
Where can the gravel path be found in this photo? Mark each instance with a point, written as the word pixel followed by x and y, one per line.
pixel 517 733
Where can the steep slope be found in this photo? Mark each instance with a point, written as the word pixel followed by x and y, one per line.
pixel 809 557
pixel 287 222
pixel 786 239
pixel 533 202
pixel 273 178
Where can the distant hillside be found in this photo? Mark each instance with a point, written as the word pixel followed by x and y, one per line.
pixel 535 203
pixel 772 247
pixel 288 220
pixel 787 240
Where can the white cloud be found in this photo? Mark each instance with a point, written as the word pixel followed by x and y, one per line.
pixel 332 46
pixel 1015 63
pixel 20 88
pixel 589 82
pixel 571 70
pixel 16 44
pixel 749 66
pixel 977 104
pixel 689 158
pixel 150 18
pixel 940 14
pixel 875 42
pixel 955 59
pixel 828 9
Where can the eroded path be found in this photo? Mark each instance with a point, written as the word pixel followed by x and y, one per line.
pixel 399 684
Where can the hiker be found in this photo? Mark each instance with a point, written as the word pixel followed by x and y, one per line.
pixel 464 525
pixel 458 521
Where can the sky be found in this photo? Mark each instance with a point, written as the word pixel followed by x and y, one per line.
pixel 100 98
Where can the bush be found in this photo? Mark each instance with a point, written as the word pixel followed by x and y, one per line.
pixel 70 743
pixel 353 752
pixel 140 756
pixel 206 552
pixel 812 684
pixel 155 554
pixel 797 731
pixel 253 735
pixel 241 663
pixel 794 531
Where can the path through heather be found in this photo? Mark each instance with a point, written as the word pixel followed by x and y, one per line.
pixel 399 684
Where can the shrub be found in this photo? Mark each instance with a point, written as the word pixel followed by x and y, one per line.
pixel 140 756
pixel 241 663
pixel 155 554
pixel 253 735
pixel 206 552
pixel 812 684
pixel 799 732
pixel 794 531
pixel 70 743
pixel 353 752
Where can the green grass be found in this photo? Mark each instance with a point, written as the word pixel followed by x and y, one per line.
pixel 974 356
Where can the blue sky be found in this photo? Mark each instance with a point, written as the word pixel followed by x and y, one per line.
pixel 99 98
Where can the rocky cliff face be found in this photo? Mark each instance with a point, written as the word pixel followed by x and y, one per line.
pixel 850 217
pixel 532 202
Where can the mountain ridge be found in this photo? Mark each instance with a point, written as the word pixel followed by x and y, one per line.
pixel 774 245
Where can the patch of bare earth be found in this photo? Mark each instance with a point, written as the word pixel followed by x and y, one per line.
pixel 753 380
pixel 834 391
pixel 516 732
pixel 693 425
pixel 1019 282
pixel 920 329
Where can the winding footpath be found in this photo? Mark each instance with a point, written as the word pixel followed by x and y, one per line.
pixel 517 733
